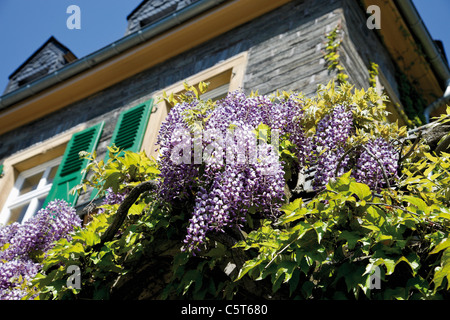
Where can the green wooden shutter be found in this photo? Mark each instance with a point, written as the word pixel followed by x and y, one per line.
pixel 130 129
pixel 69 173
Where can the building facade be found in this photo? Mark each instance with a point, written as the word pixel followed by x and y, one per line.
pixel 57 105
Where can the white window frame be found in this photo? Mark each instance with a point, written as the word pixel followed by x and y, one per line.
pixel 217 92
pixel 32 198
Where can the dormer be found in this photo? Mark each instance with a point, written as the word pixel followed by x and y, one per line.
pixel 51 56
pixel 150 11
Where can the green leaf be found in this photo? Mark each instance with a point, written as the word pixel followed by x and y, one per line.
pixel 387 262
pixel 294 280
pixel 190 277
pixel 351 237
pixel 352 274
pixel 76 248
pixel 417 202
pixel 321 228
pixel 342 183
pixel 89 237
pixel 292 206
pixel 441 246
pixel 287 268
pixel 248 265
pixel 361 190
pixel 440 275
pixel 113 181
pixel 412 261
pixel 137 208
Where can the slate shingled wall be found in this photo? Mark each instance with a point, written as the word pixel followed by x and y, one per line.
pixel 50 58
pixel 285 51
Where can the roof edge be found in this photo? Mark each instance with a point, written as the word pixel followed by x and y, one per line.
pixel 114 49
pixel 51 39
pixel 418 28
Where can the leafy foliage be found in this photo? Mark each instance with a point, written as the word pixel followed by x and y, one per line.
pixel 328 248
pixel 332 55
pixel 23 246
pixel 332 244
pixel 102 263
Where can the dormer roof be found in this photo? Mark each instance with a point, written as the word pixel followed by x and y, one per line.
pixel 51 56
pixel 150 11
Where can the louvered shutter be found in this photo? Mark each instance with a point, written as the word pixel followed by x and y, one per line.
pixel 130 129
pixel 69 173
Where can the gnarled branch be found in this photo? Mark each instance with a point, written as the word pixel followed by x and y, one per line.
pixel 122 211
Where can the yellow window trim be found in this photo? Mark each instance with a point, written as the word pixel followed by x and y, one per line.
pixel 32 157
pixel 129 63
pixel 230 71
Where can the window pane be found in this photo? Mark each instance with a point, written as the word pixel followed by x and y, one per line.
pixel 30 183
pixel 224 95
pixel 39 205
pixel 17 213
pixel 52 174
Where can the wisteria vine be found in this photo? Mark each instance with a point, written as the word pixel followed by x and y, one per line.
pixel 20 243
pixel 226 190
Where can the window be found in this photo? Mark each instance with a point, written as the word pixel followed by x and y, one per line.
pixel 44 172
pixel 129 131
pixel 225 77
pixel 130 128
pixel 69 173
pixel 29 193
pixel 217 93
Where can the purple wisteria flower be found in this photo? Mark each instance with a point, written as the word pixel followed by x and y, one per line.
pixel 235 172
pixel 329 142
pixel 376 156
pixel 19 243
pixel 113 198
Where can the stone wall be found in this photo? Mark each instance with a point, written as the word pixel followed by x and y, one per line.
pixel 285 51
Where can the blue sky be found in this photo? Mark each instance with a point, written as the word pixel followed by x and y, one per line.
pixel 26 24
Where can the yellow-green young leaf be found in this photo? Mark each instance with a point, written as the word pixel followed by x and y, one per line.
pixel 430 157
pixel 341 183
pixel 152 170
pixel 248 265
pixel 77 248
pixel 441 246
pixel 443 271
pixel 388 263
pixel 444 215
pixel 429 169
pixel 136 209
pixel 203 86
pixel 417 202
pixel 89 237
pixel 292 206
pixel 370 226
pixel 361 190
